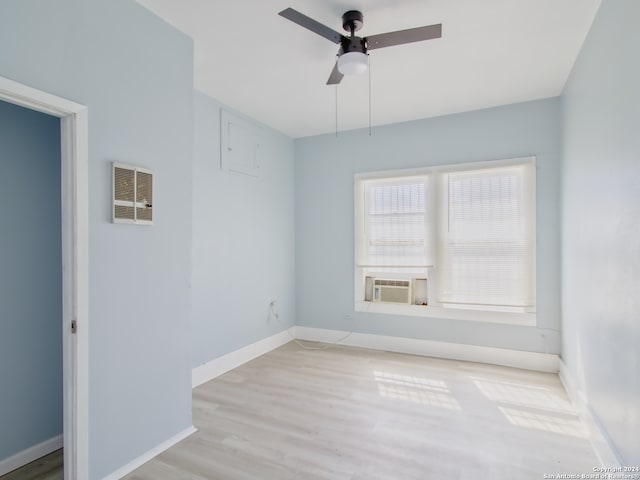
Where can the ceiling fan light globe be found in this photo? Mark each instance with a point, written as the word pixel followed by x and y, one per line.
pixel 353 63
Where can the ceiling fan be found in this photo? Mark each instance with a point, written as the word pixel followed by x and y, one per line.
pixel 352 54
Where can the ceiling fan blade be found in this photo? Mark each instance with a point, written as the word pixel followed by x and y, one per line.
pixel 311 24
pixel 404 36
pixel 335 76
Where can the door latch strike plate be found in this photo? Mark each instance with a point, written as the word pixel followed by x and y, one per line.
pixel 74 326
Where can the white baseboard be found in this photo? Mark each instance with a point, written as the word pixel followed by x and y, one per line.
pixel 30 454
pixel 154 452
pixel 223 364
pixel 597 435
pixel 544 362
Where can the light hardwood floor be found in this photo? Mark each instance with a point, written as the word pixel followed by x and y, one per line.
pixel 356 414
pixel 48 467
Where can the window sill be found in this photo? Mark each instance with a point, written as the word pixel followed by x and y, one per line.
pixel 521 319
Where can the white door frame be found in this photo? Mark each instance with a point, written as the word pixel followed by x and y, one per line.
pixel 75 265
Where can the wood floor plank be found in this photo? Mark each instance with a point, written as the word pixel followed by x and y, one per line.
pixel 48 467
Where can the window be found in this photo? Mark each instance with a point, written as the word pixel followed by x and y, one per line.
pixel 486 245
pixel 395 223
pixel 457 237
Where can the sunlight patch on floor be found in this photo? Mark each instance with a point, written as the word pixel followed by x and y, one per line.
pixel 522 395
pixel 418 390
pixel 561 424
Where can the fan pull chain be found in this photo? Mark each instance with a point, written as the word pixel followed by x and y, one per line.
pixel 336 110
pixel 369 68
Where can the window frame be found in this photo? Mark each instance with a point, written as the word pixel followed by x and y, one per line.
pixel 434 218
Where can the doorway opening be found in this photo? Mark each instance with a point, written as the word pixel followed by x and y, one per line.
pixel 75 239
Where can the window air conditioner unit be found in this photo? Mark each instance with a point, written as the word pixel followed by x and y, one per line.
pixel 392 291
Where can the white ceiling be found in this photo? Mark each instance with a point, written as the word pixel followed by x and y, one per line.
pixel 492 52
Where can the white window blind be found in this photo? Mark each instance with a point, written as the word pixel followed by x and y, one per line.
pixel 395 218
pixel 486 237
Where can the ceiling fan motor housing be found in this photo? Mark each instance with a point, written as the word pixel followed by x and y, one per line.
pixel 353 44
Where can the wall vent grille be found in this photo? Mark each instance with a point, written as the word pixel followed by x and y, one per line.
pixel 132 195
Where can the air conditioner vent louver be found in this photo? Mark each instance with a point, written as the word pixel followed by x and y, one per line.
pixel 393 283
pixel 132 195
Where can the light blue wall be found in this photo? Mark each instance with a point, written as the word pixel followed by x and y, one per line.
pixel 325 166
pixel 243 240
pixel 135 73
pixel 601 218
pixel 30 279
